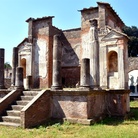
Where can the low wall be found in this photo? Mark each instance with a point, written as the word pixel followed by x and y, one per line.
pixel 8 99
pixel 117 102
pixel 37 111
pixel 93 104
pixel 3 92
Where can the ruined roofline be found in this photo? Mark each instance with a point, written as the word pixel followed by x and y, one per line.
pixel 74 29
pixel 56 28
pixel 25 39
pixel 108 6
pixel 38 19
pixel 87 9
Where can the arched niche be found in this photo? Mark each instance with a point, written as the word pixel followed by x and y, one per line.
pixel 112 61
pixel 23 64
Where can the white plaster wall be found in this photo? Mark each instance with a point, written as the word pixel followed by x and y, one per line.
pixel 40 57
pixel 86 46
pixel 25 53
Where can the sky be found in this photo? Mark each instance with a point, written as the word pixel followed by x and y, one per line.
pixel 14 13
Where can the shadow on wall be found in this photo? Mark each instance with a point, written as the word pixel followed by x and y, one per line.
pixel 70 62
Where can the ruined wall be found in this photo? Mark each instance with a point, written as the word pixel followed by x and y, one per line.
pixel 89 104
pixel 41 51
pixel 112 21
pixel 70 76
pixel 71 41
pixel 87 14
pixel 107 16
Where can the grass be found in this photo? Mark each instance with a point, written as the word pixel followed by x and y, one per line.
pixel 108 128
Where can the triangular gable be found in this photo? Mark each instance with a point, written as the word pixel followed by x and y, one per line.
pixel 23 42
pixel 113 35
pixel 24 47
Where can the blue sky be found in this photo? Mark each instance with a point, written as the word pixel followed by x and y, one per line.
pixel 13 14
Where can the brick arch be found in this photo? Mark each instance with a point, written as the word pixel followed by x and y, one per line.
pixel 133 63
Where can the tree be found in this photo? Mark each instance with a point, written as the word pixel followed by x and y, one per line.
pixel 7 66
pixel 132 33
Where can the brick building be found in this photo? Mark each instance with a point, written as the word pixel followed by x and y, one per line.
pixel 35 53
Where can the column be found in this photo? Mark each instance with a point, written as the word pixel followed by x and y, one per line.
pixel 103 67
pixel 57 54
pixel 85 73
pixel 28 82
pixel 14 65
pixel 94 54
pixel 19 78
pixel 121 70
pixel 2 51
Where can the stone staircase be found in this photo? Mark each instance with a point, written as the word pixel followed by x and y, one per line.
pixel 11 117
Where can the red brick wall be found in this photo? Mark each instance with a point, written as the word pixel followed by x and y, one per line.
pixel 70 76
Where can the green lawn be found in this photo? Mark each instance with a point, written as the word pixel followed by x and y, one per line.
pixel 108 128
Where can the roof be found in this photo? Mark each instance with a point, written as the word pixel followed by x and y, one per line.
pixel 111 9
pixel 74 29
pixel 37 19
pixel 114 34
pixel 90 8
pixel 107 6
pixel 24 40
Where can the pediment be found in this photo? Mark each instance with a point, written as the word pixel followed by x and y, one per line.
pixel 113 35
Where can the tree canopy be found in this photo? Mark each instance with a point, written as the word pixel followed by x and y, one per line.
pixel 7 65
pixel 132 33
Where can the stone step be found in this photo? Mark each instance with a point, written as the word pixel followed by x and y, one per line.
pixel 13 113
pixel 10 124
pixel 22 102
pixel 30 93
pixel 17 107
pixel 11 119
pixel 26 97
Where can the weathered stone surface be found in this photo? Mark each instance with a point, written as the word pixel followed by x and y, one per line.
pixel 57 53
pixel 14 65
pixel 94 54
pixel 38 111
pixel 77 44
pixel 2 53
pixel 70 76
pixel 19 78
pixel 85 73
pixel 89 104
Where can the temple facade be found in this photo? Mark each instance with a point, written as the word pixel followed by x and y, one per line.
pixel 99 39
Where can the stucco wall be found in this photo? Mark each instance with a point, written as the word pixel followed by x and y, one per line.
pixel 71 40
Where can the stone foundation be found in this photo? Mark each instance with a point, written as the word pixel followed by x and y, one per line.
pixel 89 106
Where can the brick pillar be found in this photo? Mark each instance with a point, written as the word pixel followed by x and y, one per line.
pixel 19 78
pixel 2 51
pixel 14 65
pixel 57 54
pixel 94 55
pixel 85 73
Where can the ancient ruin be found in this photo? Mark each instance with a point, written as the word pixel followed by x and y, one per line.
pixel 92 58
